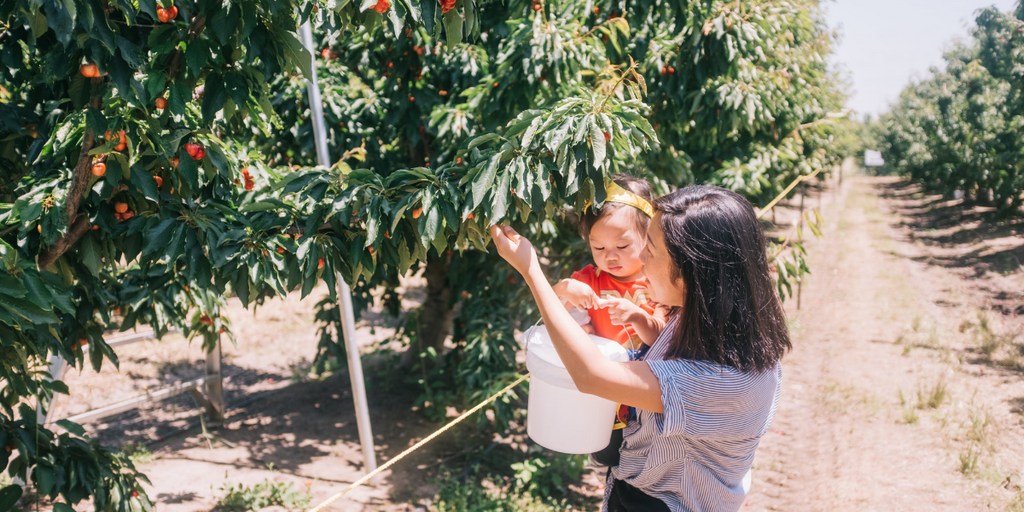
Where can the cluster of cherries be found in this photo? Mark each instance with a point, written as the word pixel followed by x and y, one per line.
pixel 249 183
pixel 382 6
pixel 167 14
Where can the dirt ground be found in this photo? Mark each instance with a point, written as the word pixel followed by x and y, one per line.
pixel 904 391
pixel 890 401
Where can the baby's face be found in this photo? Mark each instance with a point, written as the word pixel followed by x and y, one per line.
pixel 616 245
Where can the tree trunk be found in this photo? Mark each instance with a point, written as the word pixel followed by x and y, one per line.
pixel 435 315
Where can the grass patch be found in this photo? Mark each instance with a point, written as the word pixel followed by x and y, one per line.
pixel 931 397
pixel 990 341
pixel 138 453
pixel 262 495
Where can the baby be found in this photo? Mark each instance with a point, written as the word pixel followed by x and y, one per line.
pixel 613 291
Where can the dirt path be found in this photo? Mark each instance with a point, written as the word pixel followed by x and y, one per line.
pixel 890 401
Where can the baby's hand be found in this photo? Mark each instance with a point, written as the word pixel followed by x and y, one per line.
pixel 621 311
pixel 580 295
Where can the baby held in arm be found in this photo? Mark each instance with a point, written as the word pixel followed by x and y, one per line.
pixel 613 291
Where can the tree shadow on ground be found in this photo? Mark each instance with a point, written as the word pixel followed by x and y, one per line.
pixel 963 236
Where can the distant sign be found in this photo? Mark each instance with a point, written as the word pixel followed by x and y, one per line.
pixel 873 159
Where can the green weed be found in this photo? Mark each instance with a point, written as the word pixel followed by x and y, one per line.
pixel 138 453
pixel 262 495
pixel 931 397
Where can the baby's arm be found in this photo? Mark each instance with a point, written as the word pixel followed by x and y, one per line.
pixel 649 326
pixel 576 294
pixel 625 312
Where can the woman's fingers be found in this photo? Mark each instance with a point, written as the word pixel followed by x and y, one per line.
pixel 513 247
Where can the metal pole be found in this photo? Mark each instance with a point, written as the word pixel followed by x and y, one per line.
pixel 348 323
pixel 44 410
pixel 214 385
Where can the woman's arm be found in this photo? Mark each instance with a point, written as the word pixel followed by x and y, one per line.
pixel 630 383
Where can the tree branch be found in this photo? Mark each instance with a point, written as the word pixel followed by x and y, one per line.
pixel 79 228
pixel 194 28
pixel 79 187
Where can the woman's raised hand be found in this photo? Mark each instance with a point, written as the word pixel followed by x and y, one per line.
pixel 515 249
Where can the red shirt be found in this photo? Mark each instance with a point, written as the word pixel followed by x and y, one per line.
pixel 606 286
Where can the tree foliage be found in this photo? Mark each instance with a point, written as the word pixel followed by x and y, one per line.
pixel 963 127
pixel 158 158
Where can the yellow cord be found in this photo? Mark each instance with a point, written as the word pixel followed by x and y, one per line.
pixel 416 446
pixel 786 192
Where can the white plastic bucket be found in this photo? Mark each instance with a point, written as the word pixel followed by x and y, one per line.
pixel 559 417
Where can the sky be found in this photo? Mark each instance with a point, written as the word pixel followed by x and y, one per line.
pixel 884 44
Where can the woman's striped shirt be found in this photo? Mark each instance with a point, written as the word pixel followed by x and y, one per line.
pixel 696 456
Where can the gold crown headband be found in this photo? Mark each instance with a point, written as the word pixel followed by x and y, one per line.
pixel 617 194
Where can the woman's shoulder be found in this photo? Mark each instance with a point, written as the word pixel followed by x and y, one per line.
pixel 697 373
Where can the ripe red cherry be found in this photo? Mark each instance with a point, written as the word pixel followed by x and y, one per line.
pixel 382 6
pixel 159 181
pixel 319 263
pixel 191 148
pixel 99 169
pixel 280 250
pixel 160 103
pixel 89 70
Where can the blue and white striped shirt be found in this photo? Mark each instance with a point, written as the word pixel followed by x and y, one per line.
pixel 696 456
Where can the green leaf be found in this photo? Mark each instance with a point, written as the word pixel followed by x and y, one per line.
pixel 213 97
pixel 485 180
pixel 130 52
pixel 296 53
pixel 158 236
pixel 91 254
pixel 196 56
pixel 9 496
pixel 598 143
pixel 44 478
pixel 224 22
pixel 453 28
pixel 145 182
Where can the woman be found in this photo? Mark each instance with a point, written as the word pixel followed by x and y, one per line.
pixel 709 387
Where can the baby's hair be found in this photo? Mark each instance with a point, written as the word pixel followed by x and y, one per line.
pixel 638 186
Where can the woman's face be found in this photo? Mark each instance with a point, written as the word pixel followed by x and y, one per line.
pixel 658 268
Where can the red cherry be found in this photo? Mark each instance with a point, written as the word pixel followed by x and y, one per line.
pixel 163 14
pixel 382 6
pixel 127 215
pixel 320 263
pixel 280 250
pixel 200 153
pixel 173 11
pixel 160 103
pixel 159 181
pixel 249 184
pixel 191 148
pixel 89 70
pixel 99 169
pixel 607 136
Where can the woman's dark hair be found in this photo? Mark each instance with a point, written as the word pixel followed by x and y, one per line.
pixel 732 315
pixel 635 185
